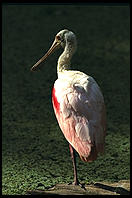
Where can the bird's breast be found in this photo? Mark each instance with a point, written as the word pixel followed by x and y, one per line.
pixel 55 102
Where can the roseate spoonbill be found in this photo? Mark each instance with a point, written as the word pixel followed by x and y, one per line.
pixel 78 104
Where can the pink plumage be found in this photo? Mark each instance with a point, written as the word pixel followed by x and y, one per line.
pixel 80 111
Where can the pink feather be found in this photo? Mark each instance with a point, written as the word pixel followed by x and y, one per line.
pixel 80 112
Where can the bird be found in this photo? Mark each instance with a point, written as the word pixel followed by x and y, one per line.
pixel 78 104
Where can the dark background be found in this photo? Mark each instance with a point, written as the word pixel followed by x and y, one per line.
pixel 35 152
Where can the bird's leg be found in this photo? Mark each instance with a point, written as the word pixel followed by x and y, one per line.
pixel 72 151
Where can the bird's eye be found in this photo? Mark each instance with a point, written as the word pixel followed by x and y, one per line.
pixel 58 37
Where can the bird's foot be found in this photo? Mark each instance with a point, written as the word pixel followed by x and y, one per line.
pixel 77 183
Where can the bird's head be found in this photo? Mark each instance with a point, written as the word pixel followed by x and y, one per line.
pixel 61 38
pixel 65 36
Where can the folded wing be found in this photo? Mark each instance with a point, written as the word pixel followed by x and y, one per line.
pixel 80 112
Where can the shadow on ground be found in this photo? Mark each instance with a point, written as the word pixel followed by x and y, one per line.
pixel 120 188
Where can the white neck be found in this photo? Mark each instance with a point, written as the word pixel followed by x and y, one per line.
pixel 65 57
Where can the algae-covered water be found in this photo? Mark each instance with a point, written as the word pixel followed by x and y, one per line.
pixel 35 153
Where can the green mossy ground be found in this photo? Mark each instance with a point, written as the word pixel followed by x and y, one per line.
pixel 35 152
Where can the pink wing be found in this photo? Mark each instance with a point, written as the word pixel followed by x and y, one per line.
pixel 80 112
